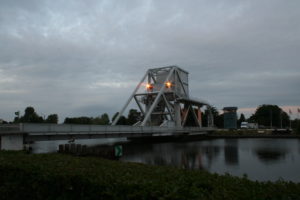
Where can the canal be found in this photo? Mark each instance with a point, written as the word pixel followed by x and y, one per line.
pixel 257 158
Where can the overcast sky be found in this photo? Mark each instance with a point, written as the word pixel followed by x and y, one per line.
pixel 84 58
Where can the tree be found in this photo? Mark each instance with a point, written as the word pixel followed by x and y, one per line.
pixel 133 116
pixel 242 119
pixel 270 116
pixel 295 124
pixel 78 120
pixel 105 119
pixel 219 121
pixel 101 120
pixel 53 118
pixel 16 120
pixel 122 120
pixel 97 120
pixel 3 121
pixel 30 116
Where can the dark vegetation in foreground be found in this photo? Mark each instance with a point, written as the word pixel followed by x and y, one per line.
pixel 56 176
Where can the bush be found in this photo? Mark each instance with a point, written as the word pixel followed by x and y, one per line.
pixel 57 176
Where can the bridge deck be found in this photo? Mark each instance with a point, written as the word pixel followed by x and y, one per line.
pixel 40 132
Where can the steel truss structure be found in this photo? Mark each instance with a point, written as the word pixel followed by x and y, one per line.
pixel 165 100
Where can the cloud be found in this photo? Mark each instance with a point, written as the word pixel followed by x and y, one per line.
pixel 85 57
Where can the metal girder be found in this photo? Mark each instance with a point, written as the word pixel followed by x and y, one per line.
pixel 181 83
pixel 168 107
pixel 195 117
pixel 210 118
pixel 159 100
pixel 128 101
pixel 185 116
pixel 139 105
pixel 148 114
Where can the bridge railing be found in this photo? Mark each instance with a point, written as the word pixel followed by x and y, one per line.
pixel 80 129
pixel 75 128
pixel 9 128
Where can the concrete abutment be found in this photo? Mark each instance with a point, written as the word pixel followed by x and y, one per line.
pixel 13 142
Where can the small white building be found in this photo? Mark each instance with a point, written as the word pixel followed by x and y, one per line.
pixel 246 125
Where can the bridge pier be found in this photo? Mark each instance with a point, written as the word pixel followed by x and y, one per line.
pixel 13 142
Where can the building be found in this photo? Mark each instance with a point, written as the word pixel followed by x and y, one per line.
pixel 230 117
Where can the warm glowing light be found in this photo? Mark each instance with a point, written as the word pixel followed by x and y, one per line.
pixel 168 84
pixel 149 86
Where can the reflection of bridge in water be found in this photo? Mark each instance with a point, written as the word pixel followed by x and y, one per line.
pixel 163 99
pixel 190 155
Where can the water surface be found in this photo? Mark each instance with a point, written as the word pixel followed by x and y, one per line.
pixel 259 159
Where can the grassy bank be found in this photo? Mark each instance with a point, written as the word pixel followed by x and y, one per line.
pixel 57 176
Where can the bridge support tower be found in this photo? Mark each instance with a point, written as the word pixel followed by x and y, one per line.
pixel 163 98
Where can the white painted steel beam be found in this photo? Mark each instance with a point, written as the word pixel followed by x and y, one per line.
pixel 128 101
pixel 44 132
pixel 148 114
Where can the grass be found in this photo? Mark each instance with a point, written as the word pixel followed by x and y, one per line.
pixel 57 176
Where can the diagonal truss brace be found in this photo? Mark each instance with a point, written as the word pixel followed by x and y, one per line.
pixel 130 98
pixel 149 112
pixel 181 83
pixel 168 107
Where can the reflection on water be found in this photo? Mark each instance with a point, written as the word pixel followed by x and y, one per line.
pixel 52 146
pixel 260 159
pixel 269 155
pixel 271 151
pixel 231 151
pixel 183 155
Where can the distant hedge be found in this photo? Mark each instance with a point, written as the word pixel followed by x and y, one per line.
pixel 57 176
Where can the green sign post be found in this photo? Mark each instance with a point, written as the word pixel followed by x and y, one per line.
pixel 118 150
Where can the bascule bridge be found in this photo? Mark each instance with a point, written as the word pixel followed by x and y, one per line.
pixel 162 97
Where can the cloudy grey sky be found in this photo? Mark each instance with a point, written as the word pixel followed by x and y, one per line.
pixel 84 58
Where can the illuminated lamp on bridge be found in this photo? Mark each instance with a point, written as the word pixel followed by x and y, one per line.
pixel 149 87
pixel 168 84
pixel 167 93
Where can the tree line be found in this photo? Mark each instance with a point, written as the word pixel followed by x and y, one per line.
pixel 30 116
pixel 265 116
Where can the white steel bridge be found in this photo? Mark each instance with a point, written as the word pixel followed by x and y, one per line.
pixel 164 102
pixel 13 137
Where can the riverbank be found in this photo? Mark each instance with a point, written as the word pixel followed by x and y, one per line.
pixel 57 176
pixel 253 133
pixel 217 134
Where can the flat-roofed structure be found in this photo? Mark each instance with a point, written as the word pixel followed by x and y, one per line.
pixel 230 117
